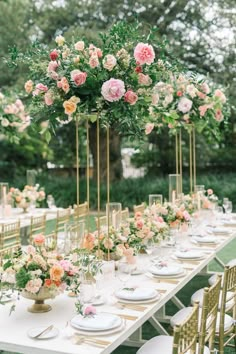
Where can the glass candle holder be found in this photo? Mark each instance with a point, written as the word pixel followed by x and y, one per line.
pixel 155 199
pixel 74 236
pixel 113 213
pixel 174 187
pixel 31 177
pixel 4 189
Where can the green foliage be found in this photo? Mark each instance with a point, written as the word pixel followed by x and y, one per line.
pixel 22 278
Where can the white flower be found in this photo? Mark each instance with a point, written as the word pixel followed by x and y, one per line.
pixel 191 90
pixel 60 40
pixel 5 122
pixel 9 276
pixel 109 62
pixel 184 105
pixel 168 99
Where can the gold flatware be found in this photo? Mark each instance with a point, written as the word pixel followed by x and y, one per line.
pixel 46 330
pixel 90 340
pixel 161 291
pixel 127 317
pixel 169 281
pixel 133 307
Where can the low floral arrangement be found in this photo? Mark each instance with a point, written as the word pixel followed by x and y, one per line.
pixel 182 101
pixel 29 195
pixel 37 268
pixel 88 311
pixel 173 215
pixel 13 117
pixel 114 77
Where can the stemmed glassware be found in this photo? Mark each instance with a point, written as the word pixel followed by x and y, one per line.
pixel 228 208
pixel 123 272
pixel 51 202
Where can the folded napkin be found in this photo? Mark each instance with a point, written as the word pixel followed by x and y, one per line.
pixel 136 294
pixel 189 254
pixel 205 239
pixel 99 322
pixel 169 270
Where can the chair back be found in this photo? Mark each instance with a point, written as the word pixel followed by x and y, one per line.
pixel 9 238
pixel 228 302
pixel 209 315
pixel 139 208
pixel 80 211
pixel 37 226
pixel 124 215
pixel 186 334
pixel 63 217
pixel 101 222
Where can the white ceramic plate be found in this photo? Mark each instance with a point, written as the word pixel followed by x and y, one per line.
pixel 180 275
pixel 139 294
pixel 163 271
pixel 83 323
pixel 141 302
pixel 221 230
pixel 102 333
pixel 100 300
pixel 191 254
pixel 48 335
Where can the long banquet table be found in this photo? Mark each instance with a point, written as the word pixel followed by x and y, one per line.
pixel 14 328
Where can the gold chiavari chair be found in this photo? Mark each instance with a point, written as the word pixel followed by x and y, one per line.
pixel 226 324
pixel 207 317
pixel 80 211
pixel 37 226
pixel 139 208
pixel 124 215
pixel 102 221
pixel 9 238
pixel 57 235
pixel 184 339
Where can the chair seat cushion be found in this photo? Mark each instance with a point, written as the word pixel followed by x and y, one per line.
pixel 213 278
pixel 162 345
pixel 198 296
pixel 182 314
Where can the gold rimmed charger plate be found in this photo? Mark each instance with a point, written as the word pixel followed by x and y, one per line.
pixel 106 332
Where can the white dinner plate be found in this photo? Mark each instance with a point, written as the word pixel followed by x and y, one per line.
pixel 166 271
pixel 221 230
pixel 138 294
pixel 141 302
pixel 101 333
pixel 93 323
pixel 47 335
pixel 191 254
pixel 7 297
pixel 180 275
pixel 205 239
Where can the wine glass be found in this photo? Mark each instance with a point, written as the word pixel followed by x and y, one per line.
pixel 51 202
pixel 123 272
pixel 228 208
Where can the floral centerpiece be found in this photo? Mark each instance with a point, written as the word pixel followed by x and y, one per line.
pixel 28 196
pixel 174 215
pixel 209 200
pixel 38 274
pixel 114 77
pixel 13 117
pixel 182 101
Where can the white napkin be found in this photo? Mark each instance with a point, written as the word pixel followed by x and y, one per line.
pixel 169 270
pixel 221 230
pixel 99 322
pixel 189 254
pixel 205 239
pixel 137 294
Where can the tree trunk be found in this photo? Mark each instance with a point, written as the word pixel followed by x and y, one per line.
pixel 116 170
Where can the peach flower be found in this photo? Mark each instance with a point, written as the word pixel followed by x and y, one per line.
pixel 39 239
pixel 93 61
pixel 29 86
pixel 78 77
pixel 48 98
pixel 109 62
pixel 70 107
pixel 108 243
pixel 149 128
pixel 144 54
pixel 79 45
pixel 218 93
pixel 144 79
pixel 131 97
pixel 34 285
pixel 56 272
pixel 64 84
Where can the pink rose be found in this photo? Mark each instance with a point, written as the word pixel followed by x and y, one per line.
pixel 39 239
pixel 210 191
pixel 131 97
pixel 201 95
pixel 90 311
pixel 203 109
pixel 218 115
pixel 144 54
pixel 48 98
pixel 205 88
pixel 113 90
pixel 138 69
pixel 79 45
pixel 138 215
pixel 179 93
pixel 95 50
pixel 64 84
pixel 78 77
pixel 218 93
pixel 31 250
pixel 186 215
pixel 108 243
pixel 155 99
pixel 41 87
pixel 149 128
pixel 93 61
pixel 34 285
pixel 144 79
pixel 139 223
pixel 109 62
pixel 53 55
pixel 184 105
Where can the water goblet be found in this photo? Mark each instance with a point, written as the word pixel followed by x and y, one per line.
pixel 123 272
pixel 228 208
pixel 51 201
